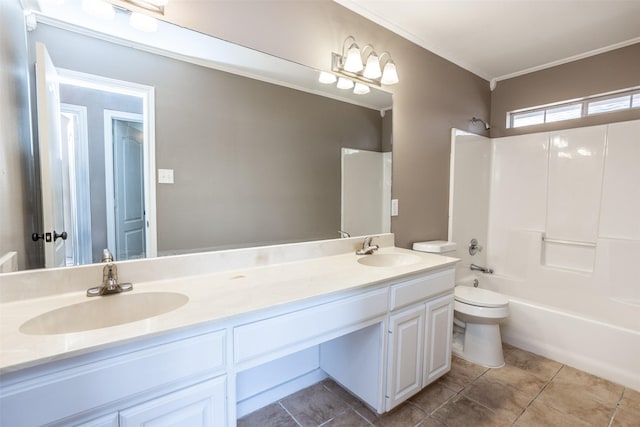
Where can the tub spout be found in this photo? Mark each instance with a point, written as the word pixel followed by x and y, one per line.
pixel 474 267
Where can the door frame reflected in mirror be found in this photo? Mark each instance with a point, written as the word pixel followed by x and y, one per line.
pixel 147 95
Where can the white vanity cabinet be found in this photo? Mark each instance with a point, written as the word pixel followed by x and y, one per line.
pixel 384 341
pixel 200 405
pixel 173 377
pixel 419 346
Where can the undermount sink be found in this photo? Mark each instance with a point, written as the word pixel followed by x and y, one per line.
pixel 388 260
pixel 102 312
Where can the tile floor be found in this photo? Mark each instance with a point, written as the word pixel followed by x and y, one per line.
pixel 528 391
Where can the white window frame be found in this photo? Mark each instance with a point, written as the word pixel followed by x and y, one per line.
pixel 585 102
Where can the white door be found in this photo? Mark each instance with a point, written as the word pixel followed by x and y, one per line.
pixel 405 355
pixel 51 158
pixel 437 349
pixel 128 173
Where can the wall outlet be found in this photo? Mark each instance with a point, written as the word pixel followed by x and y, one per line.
pixel 394 207
pixel 165 176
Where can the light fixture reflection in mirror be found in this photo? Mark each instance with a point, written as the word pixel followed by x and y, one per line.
pixel 142 22
pixel 98 8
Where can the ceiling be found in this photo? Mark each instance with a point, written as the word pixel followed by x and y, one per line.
pixel 500 39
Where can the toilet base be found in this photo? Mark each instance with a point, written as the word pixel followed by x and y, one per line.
pixel 480 344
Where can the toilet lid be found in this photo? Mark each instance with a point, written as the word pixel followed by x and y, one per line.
pixel 479 297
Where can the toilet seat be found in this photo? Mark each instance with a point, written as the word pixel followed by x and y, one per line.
pixel 480 297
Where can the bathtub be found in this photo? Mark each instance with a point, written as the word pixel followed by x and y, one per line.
pixel 594 334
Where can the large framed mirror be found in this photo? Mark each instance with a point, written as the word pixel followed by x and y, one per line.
pixel 247 149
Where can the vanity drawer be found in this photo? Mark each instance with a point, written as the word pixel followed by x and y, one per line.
pixel 421 288
pixel 288 330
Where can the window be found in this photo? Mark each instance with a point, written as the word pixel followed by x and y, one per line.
pixel 610 104
pixel 621 100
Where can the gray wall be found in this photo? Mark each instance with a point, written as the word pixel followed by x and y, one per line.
pixel 610 71
pixel 254 163
pixel 433 95
pixel 96 102
pixel 16 174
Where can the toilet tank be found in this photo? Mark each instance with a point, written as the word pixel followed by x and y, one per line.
pixel 435 246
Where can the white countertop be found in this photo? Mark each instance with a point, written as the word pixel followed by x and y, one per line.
pixel 215 296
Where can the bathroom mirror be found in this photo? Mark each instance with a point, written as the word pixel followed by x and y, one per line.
pixel 255 145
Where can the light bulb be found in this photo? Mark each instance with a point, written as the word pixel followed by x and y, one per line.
pixel 372 70
pixel 353 63
pixel 344 83
pixel 390 74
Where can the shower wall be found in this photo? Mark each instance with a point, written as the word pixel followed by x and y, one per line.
pixel 563 238
pixel 469 196
pixel 564 211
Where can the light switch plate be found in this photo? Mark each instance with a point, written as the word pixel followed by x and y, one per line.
pixel 394 207
pixel 165 176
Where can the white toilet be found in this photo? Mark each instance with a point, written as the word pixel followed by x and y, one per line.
pixel 476 333
pixel 477 316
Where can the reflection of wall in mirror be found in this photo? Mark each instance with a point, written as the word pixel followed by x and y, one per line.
pixel 254 163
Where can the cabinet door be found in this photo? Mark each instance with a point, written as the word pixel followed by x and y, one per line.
pixel 201 405
pixel 404 369
pixel 437 351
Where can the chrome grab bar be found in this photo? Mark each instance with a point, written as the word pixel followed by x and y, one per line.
pixel 568 242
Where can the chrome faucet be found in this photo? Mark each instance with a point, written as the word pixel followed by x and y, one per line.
pixel 474 267
pixel 344 234
pixel 367 247
pixel 110 283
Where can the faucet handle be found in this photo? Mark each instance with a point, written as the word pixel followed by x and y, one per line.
pixel 474 247
pixel 107 256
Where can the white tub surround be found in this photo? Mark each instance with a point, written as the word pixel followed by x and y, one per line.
pixel 312 304
pixel 563 238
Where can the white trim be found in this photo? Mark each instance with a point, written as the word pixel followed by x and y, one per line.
pixel 147 93
pixel 570 59
pixel 81 206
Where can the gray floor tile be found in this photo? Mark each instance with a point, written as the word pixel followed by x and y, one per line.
pixel 502 399
pixel 273 415
pixel 432 397
pixel 539 366
pixel 464 412
pixel 314 405
pixel 350 418
pixel 538 415
pixel 571 400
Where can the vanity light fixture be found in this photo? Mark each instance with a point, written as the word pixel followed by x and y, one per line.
pixel 379 69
